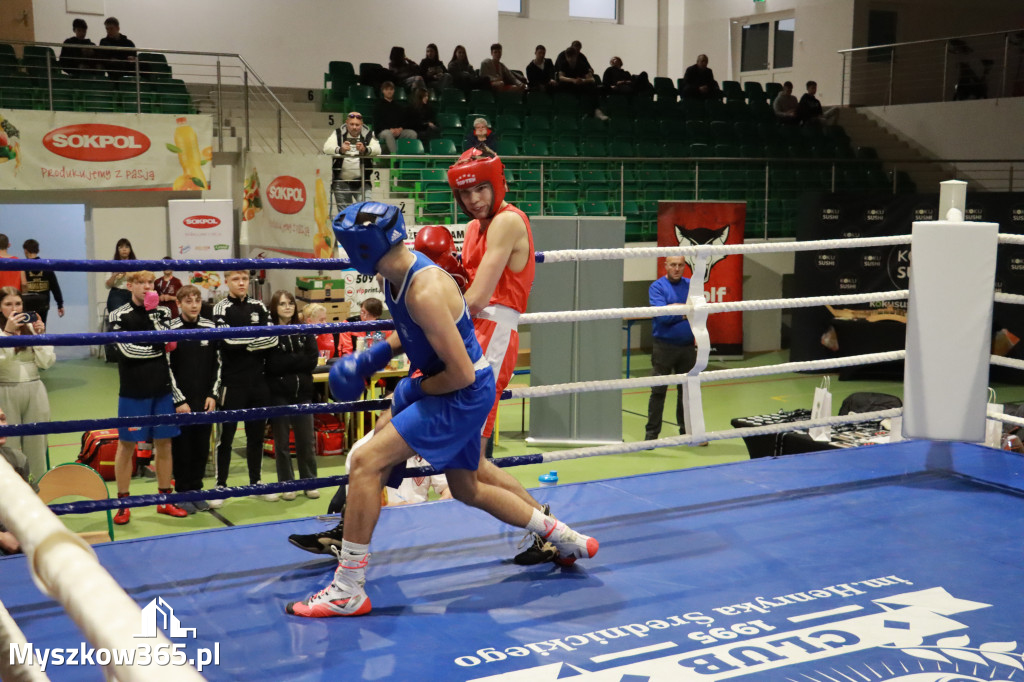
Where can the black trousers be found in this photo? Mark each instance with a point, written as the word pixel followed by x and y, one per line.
pixel 667 358
pixel 191 449
pixel 239 398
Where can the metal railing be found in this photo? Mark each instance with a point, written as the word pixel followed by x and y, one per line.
pixel 632 186
pixel 152 81
pixel 978 66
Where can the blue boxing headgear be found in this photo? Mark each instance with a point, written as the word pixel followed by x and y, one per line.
pixel 367 231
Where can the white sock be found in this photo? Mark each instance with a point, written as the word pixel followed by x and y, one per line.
pixel 542 525
pixel 353 550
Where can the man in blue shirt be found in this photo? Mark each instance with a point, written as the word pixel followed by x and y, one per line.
pixel 673 352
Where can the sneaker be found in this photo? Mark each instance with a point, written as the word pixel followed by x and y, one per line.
pixel 202 505
pixel 333 600
pixel 171 510
pixel 571 545
pixel 266 497
pixel 123 516
pixel 539 550
pixel 289 496
pixel 320 543
pixel 345 596
pixel 217 504
pixel 313 494
pixel 189 507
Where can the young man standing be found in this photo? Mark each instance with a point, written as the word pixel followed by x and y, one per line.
pixel 391 119
pixel 437 415
pixel 146 390
pixel 194 365
pixel 242 376
pixel 37 285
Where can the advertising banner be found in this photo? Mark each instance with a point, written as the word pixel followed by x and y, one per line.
pixel 836 331
pixel 285 205
pixel 696 223
pixel 48 150
pixel 202 229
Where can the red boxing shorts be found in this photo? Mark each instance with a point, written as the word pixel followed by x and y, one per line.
pixel 497 332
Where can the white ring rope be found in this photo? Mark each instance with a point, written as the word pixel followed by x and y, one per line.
pixel 66 568
pixel 723 307
pixel 713 375
pixel 1013 363
pixel 11 636
pixel 571 255
pixel 1007 418
pixel 1015 239
pixel 745 432
pixel 1015 299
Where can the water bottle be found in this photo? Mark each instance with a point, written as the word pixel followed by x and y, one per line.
pixel 549 478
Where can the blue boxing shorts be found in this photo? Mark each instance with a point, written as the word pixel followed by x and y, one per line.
pixel 445 429
pixel 146 407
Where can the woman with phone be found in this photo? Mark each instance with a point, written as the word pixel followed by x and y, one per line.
pixel 22 395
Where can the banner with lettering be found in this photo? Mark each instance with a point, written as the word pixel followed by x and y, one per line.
pixel 48 150
pixel 202 229
pixel 713 223
pixel 285 206
pixel 855 329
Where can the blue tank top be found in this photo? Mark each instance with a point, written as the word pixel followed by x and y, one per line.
pixel 414 341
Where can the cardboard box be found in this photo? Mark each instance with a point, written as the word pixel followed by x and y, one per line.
pixel 319 289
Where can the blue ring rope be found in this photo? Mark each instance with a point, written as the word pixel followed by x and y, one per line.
pixel 86 506
pixel 222 264
pixel 163 335
pixel 188 418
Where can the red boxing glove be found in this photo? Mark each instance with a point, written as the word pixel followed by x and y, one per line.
pixel 434 241
pixel 170 346
pixel 151 300
pixel 453 266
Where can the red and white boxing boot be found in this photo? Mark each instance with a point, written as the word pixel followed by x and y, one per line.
pixel 345 596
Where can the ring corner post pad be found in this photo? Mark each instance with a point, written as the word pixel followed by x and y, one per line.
pixel 949 320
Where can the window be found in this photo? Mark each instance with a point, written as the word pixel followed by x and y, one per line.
pixel 510 7
pixel 783 52
pixel 767 45
pixel 594 9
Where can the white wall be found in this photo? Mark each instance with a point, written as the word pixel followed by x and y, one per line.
pixel 289 43
pixel 635 40
pixel 822 28
pixel 975 129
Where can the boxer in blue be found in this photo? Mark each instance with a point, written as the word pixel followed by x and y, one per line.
pixel 437 415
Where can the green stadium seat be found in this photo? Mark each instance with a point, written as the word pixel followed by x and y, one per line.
pixel 593 148
pixel 509 127
pixel 621 148
pixel 539 103
pixel 595 208
pixel 505 148
pixel 754 92
pixel 562 208
pixel 442 145
pixel 535 147
pixel 537 127
pixel 733 91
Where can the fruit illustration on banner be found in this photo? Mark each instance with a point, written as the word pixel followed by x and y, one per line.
pixel 10 149
pixel 186 146
pixel 251 202
pixel 323 240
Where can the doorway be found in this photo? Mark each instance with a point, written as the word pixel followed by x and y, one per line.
pixel 60 231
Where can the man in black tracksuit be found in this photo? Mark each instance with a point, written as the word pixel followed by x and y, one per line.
pixel 242 367
pixel 195 367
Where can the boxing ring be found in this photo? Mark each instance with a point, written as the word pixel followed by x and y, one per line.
pixel 888 562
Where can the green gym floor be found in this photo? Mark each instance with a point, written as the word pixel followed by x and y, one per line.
pixel 87 389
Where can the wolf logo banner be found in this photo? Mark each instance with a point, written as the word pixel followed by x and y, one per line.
pixel 710 223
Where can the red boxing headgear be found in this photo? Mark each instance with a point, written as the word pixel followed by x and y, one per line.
pixel 476 166
pixel 434 241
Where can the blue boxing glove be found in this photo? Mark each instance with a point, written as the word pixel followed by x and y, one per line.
pixel 347 376
pixel 407 391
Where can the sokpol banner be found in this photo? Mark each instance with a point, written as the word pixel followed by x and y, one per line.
pixel 285 204
pixel 712 223
pixel 201 230
pixel 44 150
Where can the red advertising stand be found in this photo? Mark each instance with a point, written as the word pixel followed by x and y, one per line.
pixel 712 223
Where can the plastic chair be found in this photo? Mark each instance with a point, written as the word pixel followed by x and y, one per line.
pixel 77 480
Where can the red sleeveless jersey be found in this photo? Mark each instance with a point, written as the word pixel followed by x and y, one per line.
pixel 513 288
